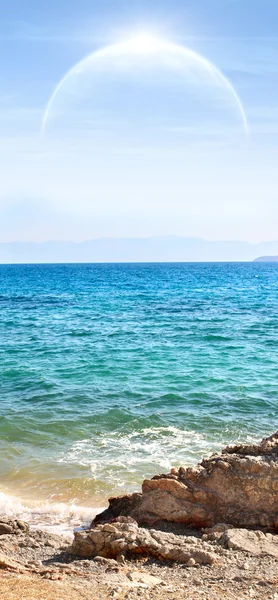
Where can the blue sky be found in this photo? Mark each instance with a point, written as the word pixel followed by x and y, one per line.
pixel 160 153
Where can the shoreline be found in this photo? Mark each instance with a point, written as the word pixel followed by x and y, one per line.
pixel 64 517
pixel 60 518
pixel 120 558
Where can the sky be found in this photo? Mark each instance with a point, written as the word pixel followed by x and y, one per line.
pixel 139 143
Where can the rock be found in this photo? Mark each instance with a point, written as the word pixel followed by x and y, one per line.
pixel 238 486
pixel 84 547
pixel 5 529
pixel 254 542
pixel 9 564
pixel 110 562
pixel 215 533
pixel 122 506
pixel 123 538
pixel 9 526
pixel 121 558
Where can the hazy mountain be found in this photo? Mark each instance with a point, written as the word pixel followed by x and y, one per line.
pixel 154 249
pixel 266 259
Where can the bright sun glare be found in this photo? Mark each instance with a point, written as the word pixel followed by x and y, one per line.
pixel 144 43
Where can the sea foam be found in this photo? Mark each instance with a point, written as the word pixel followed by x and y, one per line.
pixel 59 518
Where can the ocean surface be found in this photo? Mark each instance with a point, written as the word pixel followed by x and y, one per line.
pixel 113 373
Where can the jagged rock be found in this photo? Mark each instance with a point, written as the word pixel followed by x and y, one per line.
pixel 110 540
pixel 238 486
pixel 9 526
pixel 121 506
pixel 254 542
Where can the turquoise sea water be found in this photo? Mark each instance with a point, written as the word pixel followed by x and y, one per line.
pixel 112 373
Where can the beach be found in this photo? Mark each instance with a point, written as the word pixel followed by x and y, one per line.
pixel 119 557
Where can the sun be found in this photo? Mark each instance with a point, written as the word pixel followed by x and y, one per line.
pixel 144 43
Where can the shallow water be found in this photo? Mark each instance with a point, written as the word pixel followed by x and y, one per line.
pixel 111 373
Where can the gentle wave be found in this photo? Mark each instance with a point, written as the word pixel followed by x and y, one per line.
pixel 59 518
pixel 110 462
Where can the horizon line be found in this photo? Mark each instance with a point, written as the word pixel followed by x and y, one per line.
pixel 141 238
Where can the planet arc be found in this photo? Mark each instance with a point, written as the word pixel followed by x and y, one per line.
pixel 148 46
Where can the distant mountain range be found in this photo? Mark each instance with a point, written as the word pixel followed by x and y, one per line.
pixel 154 249
pixel 266 259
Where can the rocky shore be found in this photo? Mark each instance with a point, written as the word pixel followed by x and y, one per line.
pixel 238 486
pixel 204 533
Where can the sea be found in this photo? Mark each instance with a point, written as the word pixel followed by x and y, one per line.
pixel 113 373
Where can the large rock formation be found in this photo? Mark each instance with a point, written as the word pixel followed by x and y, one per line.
pixel 238 486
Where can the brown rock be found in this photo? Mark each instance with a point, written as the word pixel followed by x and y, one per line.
pixel 83 546
pixel 122 506
pixel 5 529
pixel 238 486
pixel 218 528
